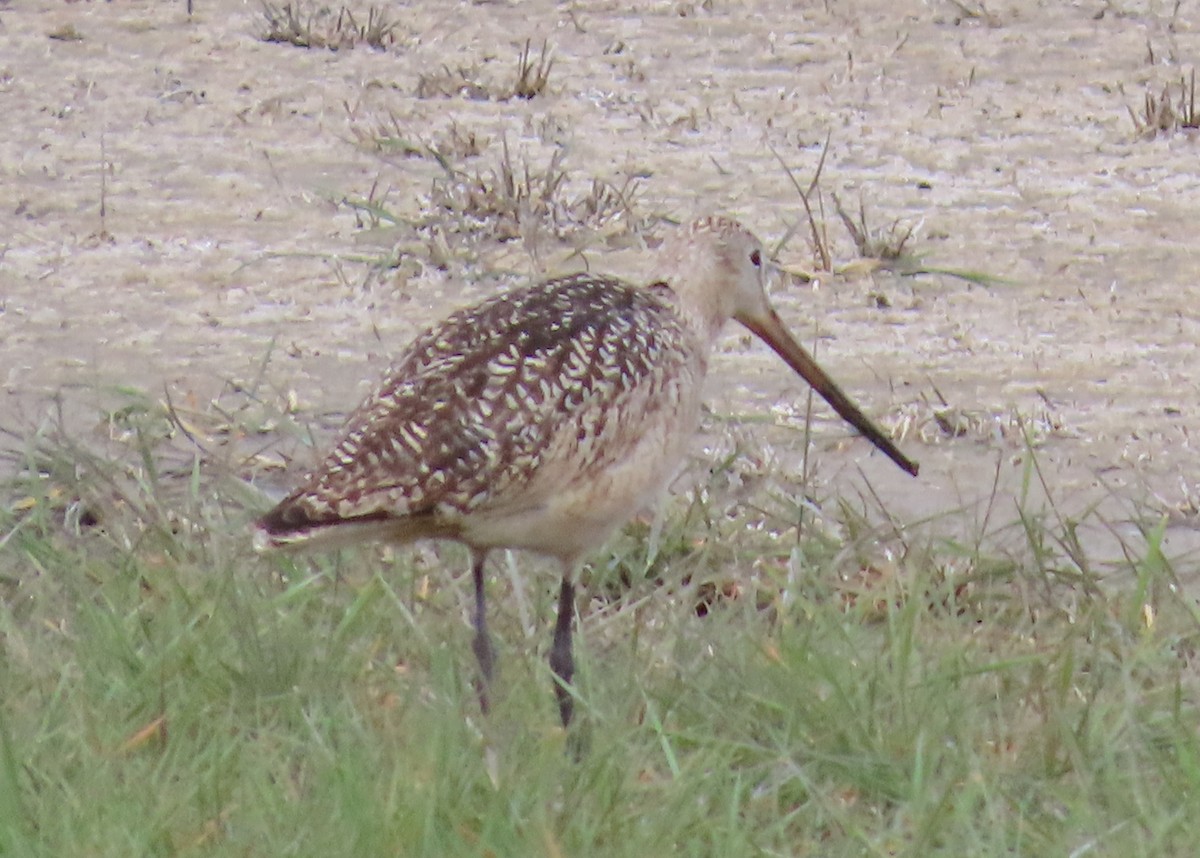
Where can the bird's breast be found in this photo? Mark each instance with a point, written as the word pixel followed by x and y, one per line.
pixel 603 466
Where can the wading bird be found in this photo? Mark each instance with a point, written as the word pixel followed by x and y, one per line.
pixel 544 418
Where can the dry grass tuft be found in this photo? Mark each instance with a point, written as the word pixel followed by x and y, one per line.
pixel 516 195
pixel 321 27
pixel 386 137
pixel 1165 112
pixel 940 421
pixel 456 143
pixel 886 245
pixel 532 74
pixel 449 82
pixel 503 198
pixel 467 81
pixel 878 249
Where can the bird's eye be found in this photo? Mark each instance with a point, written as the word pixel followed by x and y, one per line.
pixel 755 258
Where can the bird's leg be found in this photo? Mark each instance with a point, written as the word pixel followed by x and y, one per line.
pixel 561 661
pixel 482 642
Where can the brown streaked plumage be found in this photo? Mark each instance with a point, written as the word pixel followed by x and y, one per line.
pixel 544 418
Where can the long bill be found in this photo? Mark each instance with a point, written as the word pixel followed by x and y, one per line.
pixel 770 329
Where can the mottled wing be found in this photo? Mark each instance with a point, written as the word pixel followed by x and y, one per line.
pixel 463 419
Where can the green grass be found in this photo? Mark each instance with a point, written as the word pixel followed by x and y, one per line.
pixel 851 691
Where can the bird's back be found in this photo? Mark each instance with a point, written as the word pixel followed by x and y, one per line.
pixel 490 415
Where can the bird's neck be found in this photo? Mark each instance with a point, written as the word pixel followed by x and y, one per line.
pixel 704 318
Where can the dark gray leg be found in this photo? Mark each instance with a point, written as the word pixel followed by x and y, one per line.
pixel 561 661
pixel 482 642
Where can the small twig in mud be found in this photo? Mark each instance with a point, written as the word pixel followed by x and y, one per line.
pixel 103 189
pixel 65 33
pixel 1187 103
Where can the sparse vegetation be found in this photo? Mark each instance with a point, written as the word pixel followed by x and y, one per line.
pixel 386 135
pixel 372 210
pixel 885 246
pixel 941 421
pixel 517 195
pixel 449 82
pixel 533 73
pixel 1167 111
pixel 457 143
pixel 308 26
pixel 852 685
pixel 877 249
pixel 812 200
pixel 471 209
pixel 468 81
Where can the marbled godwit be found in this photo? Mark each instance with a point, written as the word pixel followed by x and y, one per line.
pixel 544 418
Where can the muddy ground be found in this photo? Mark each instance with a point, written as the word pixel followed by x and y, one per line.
pixel 174 214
